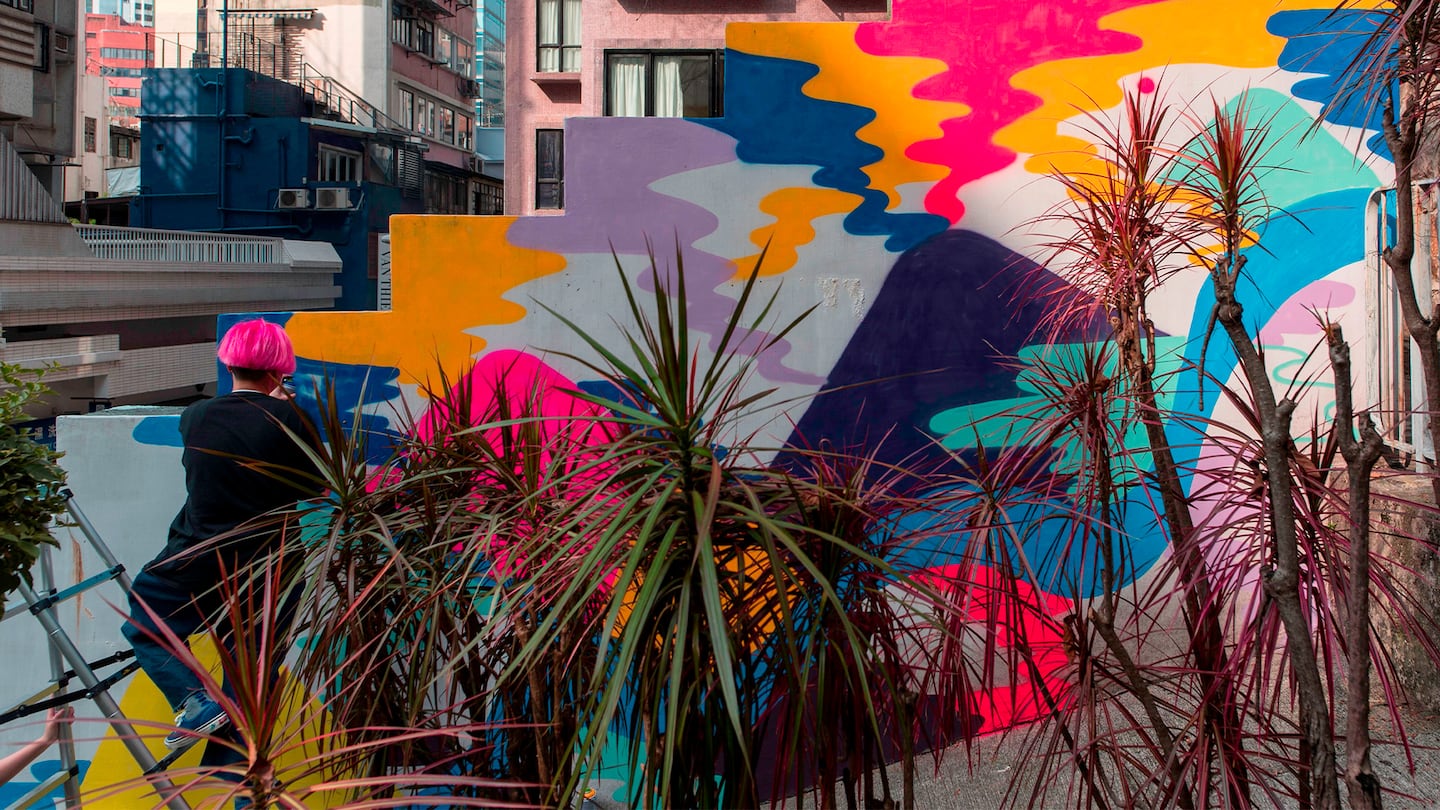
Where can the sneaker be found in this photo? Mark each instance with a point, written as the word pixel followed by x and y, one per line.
pixel 202 716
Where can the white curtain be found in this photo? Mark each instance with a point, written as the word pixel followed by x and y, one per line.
pixel 627 85
pixel 571 59
pixel 669 96
pixel 549 34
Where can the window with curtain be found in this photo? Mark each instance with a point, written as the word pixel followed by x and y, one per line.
pixel 664 84
pixel 558 36
pixel 549 168
pixel 405 104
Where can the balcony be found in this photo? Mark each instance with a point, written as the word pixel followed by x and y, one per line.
pixel 138 273
pixel 152 245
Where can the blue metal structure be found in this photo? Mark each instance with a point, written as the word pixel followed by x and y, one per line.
pixel 235 151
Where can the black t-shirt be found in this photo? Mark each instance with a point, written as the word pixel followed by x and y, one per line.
pixel 220 437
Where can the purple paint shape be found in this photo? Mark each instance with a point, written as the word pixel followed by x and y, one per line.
pixel 611 164
pixel 1295 316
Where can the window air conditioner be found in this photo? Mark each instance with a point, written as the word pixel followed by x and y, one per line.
pixel 293 198
pixel 332 198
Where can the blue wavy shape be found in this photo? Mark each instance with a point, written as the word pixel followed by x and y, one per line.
pixel 354 387
pixel 159 431
pixel 15 789
pixel 1292 258
pixel 775 123
pixel 1325 41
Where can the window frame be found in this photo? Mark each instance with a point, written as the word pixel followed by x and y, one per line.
pixel 558 181
pixel 91 135
pixel 337 156
pixel 405 105
pixel 717 76
pixel 560 45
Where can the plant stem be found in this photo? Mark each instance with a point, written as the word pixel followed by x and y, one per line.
pixel 1360 458
pixel 1206 638
pixel 1283 584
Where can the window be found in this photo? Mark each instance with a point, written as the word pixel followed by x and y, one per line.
pixel 447 125
pixel 338 165
pixel 23 5
pixel 464 60
pixel 121 146
pixel 89 134
pixel 464 131
pixel 63 43
pixel 405 106
pixel 125 92
pixel 664 84
pixel 444 46
pixel 125 53
pixel 558 35
pixel 381 168
pixel 445 194
pixel 549 168
pixel 415 33
pixel 125 72
pixel 42 47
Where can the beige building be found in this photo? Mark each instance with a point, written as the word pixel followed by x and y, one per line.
pixel 102 146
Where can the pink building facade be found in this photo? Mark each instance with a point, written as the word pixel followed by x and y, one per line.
pixel 119 50
pixel 620 58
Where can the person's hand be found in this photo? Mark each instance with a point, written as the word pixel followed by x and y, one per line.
pixel 57 718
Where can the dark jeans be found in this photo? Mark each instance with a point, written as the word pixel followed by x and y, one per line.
pixel 184 604
pixel 182 607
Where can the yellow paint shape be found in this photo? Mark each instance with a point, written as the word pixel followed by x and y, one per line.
pixel 849 75
pixel 449 274
pixel 1179 32
pixel 794 209
pixel 113 780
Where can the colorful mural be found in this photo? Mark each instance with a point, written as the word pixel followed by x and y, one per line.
pixel 891 168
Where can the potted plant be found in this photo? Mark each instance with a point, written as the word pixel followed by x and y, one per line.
pixel 30 482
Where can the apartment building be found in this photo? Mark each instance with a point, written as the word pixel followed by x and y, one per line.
pixel 37 85
pixel 565 58
pixel 405 66
pixel 119 51
pixel 490 63
pixel 107 148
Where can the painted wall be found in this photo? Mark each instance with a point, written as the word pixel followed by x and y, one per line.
pixel 892 167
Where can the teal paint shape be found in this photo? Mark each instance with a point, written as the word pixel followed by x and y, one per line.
pixel 1004 422
pixel 1298 160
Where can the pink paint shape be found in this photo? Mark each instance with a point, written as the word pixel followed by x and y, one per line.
pixel 1297 315
pixel 1016 36
pixel 989 605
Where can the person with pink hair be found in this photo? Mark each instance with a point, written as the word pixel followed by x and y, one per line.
pixel 245 459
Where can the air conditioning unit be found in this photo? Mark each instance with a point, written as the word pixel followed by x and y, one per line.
pixel 332 198
pixel 293 198
pixel 475 163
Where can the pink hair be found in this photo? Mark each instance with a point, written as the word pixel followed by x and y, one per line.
pixel 257 345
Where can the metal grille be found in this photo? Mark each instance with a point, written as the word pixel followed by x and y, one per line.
pixel 22 197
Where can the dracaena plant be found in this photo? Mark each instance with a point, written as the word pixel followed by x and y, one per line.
pixel 1123 230
pixel 1278 565
pixel 734 611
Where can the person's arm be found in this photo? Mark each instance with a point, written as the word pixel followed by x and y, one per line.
pixel 15 763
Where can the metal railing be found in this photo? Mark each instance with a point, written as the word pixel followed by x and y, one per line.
pixel 250 52
pixel 150 245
